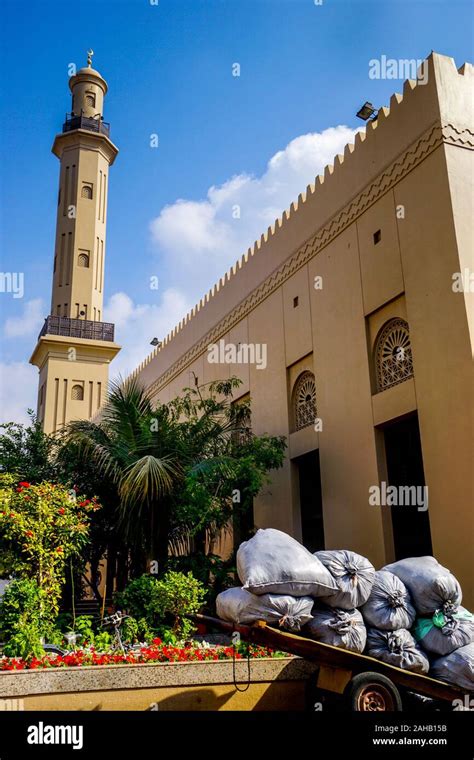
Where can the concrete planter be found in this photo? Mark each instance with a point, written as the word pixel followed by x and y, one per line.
pixel 275 684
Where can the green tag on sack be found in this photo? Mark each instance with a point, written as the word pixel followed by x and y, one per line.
pixel 422 627
pixel 439 620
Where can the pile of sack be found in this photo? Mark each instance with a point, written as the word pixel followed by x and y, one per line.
pixel 407 614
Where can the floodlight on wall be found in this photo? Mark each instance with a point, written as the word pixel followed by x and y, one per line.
pixel 366 112
pixel 156 342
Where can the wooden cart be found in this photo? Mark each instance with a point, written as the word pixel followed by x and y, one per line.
pixel 366 684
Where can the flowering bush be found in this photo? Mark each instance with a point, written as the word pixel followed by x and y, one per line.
pixel 43 526
pixel 155 652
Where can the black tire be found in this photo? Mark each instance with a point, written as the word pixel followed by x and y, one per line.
pixel 372 692
pixel 53 649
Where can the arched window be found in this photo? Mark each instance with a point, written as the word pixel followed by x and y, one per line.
pixel 83 260
pixel 86 191
pixel 77 393
pixel 304 400
pixel 90 100
pixel 393 358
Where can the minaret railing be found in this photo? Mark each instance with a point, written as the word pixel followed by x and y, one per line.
pixel 77 328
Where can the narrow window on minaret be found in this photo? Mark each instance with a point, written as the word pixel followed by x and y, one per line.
pixel 100 196
pixel 61 259
pixel 105 195
pixel 86 191
pixel 83 259
pixel 72 199
pixel 66 190
pixel 68 267
pixel 101 271
pixel 97 264
pixel 91 388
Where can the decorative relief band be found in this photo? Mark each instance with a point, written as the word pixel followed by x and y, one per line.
pixel 432 138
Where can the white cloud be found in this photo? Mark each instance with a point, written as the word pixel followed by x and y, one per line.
pixel 18 391
pixel 200 239
pixel 136 325
pixel 28 323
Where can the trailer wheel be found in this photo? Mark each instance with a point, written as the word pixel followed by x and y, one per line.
pixel 373 692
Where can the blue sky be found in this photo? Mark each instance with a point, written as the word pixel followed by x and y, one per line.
pixel 304 73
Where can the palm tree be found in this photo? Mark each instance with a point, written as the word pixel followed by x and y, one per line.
pixel 139 448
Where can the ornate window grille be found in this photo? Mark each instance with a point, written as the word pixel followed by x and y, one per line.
pixel 393 357
pixel 86 192
pixel 77 393
pixel 83 260
pixel 304 400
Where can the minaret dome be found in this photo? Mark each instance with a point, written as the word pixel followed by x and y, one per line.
pixel 88 89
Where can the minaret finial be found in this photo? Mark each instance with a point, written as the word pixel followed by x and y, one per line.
pixel 90 53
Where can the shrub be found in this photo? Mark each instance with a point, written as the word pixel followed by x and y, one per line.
pixel 24 620
pixel 25 643
pixel 179 595
pixel 102 641
pixel 83 625
pixel 138 598
pixel 156 603
pixel 20 605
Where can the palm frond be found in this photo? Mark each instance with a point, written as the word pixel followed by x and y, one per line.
pixel 148 479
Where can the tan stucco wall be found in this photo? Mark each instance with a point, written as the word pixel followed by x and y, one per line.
pixel 419 156
pixel 65 362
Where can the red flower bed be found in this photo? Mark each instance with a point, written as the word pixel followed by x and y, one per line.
pixel 154 652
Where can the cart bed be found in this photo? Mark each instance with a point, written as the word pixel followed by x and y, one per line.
pixel 337 659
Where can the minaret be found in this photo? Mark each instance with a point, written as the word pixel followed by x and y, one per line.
pixel 75 346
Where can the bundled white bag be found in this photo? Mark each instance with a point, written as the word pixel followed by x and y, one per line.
pixel 353 574
pixel 389 606
pixel 240 606
pixel 442 633
pixel 432 586
pixel 273 562
pixel 340 628
pixel 397 648
pixel 456 668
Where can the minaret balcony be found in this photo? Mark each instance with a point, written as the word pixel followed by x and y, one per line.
pixel 77 328
pixel 90 123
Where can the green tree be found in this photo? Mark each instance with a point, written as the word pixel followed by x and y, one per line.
pixel 228 467
pixel 27 452
pixel 137 447
pixel 182 471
